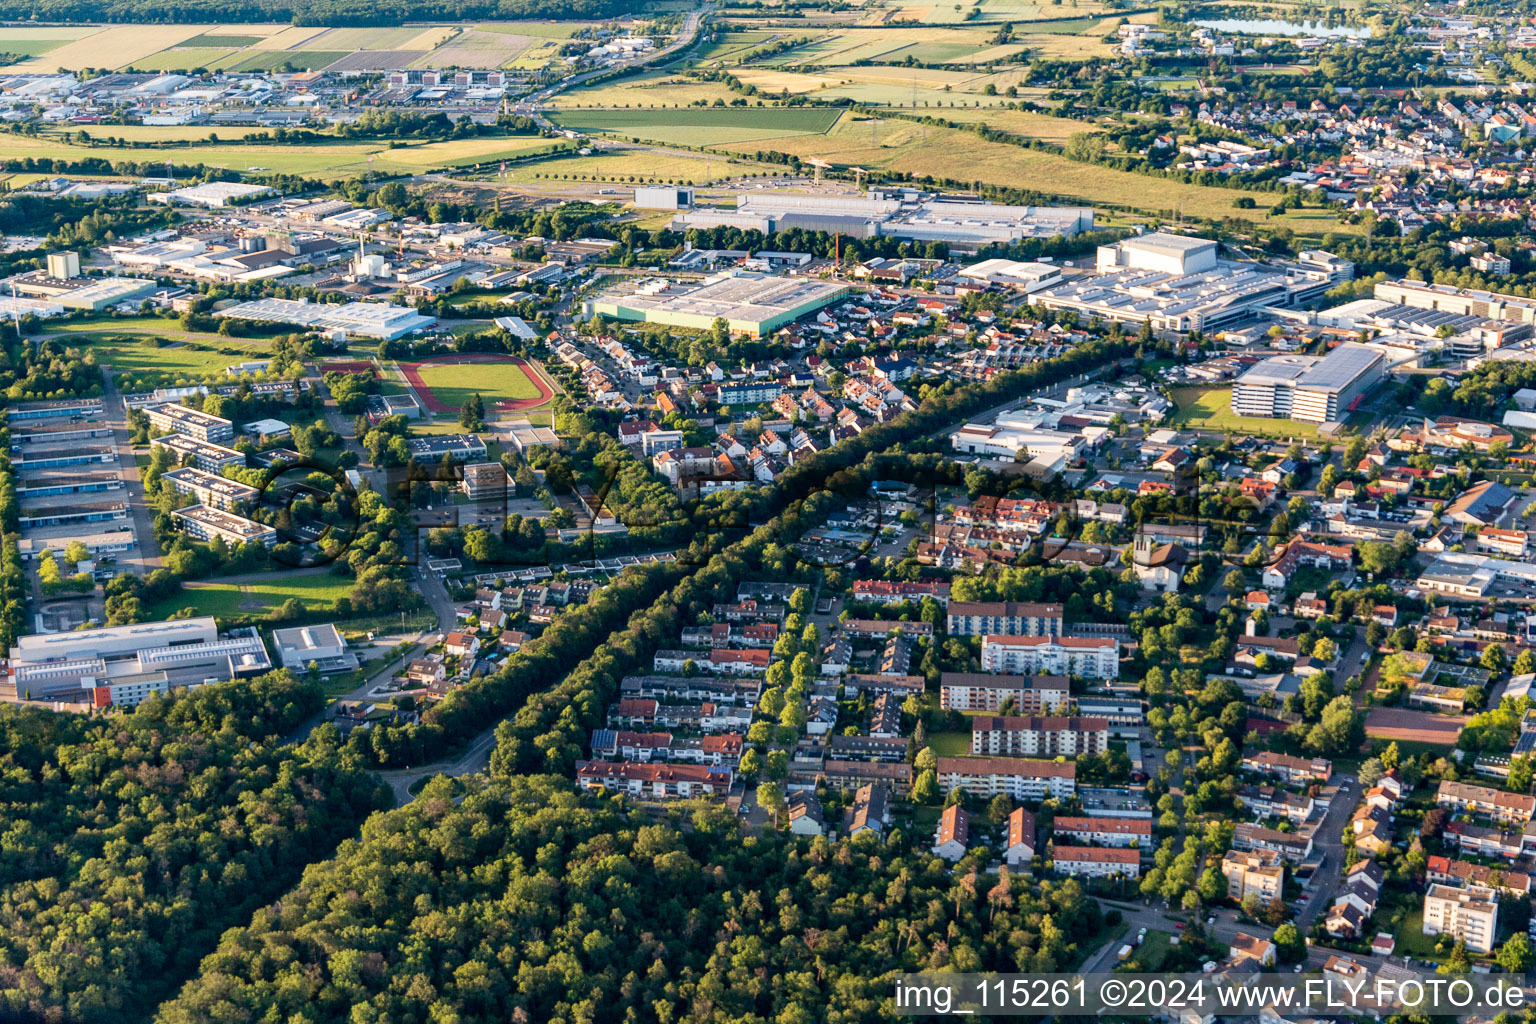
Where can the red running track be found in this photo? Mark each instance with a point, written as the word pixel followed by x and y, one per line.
pixel 425 391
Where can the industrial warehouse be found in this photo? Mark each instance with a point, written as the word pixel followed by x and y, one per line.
pixel 751 304
pixel 382 320
pixel 960 222
pixel 1177 283
pixel 1317 389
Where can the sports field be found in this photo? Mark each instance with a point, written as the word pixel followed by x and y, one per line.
pixel 173 359
pixel 1211 409
pixel 503 382
pixel 251 596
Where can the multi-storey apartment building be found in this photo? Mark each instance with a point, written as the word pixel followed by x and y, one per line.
pixel 980 691
pixel 178 419
pixel 1017 777
pixel 1095 862
pixel 1470 915
pixel 1035 736
pixel 1091 657
pixel 1004 618
pixel 1120 832
pixel 1258 873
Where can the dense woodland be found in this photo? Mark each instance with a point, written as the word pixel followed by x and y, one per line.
pixel 530 903
pixel 129 843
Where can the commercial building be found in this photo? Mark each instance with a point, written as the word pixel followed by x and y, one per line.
pixel 1459 301
pixel 1017 777
pixel 458 447
pixel 750 304
pixel 382 320
pixel 1004 618
pixel 179 419
pixel 91 294
pixel 1036 736
pixel 210 195
pixel 206 456
pixel 206 523
pixel 144 658
pixel 1090 657
pixel 1314 389
pixel 485 481
pixel 322 646
pixel 663 197
pixel 1470 915
pixel 1096 862
pixel 1258 873
pixel 961 223
pixel 1175 283
pixel 1013 274
pixel 1094 831
pixel 978 691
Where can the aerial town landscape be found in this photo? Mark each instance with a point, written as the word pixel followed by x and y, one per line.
pixel 649 512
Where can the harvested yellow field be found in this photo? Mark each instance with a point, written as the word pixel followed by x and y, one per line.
pixel 115 47
pixel 456 151
pixel 653 89
pixel 154 133
pixel 789 81
pixel 1024 122
pixel 432 38
pixel 288 38
pixel 933 78
pixel 26 33
pixel 1051 44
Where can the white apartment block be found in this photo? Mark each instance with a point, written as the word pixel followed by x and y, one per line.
pixel 179 419
pixel 1017 777
pixel 1258 873
pixel 978 691
pixel 206 523
pixel 1090 657
pixel 206 455
pixel 209 488
pixel 1035 736
pixel 1116 832
pixel 1092 862
pixel 1471 915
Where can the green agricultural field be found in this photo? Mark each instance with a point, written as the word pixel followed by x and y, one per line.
pixel 637 166
pixel 702 126
pixel 1211 409
pixel 649 89
pixel 183 59
pixel 30 47
pixel 298 60
pixel 220 40
pixel 252 596
pixel 491 381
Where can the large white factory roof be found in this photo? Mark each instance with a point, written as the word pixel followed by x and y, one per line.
pixel 1333 372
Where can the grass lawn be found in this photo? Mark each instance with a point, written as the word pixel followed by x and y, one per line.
pixel 1411 940
pixel 1211 409
pixel 454 384
pixel 950 744
pixel 317 591
pixel 173 358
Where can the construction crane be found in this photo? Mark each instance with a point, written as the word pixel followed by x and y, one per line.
pixel 820 165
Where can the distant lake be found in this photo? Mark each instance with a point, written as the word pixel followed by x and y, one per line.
pixel 1257 27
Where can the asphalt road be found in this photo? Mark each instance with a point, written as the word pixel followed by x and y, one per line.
pixel 147 557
